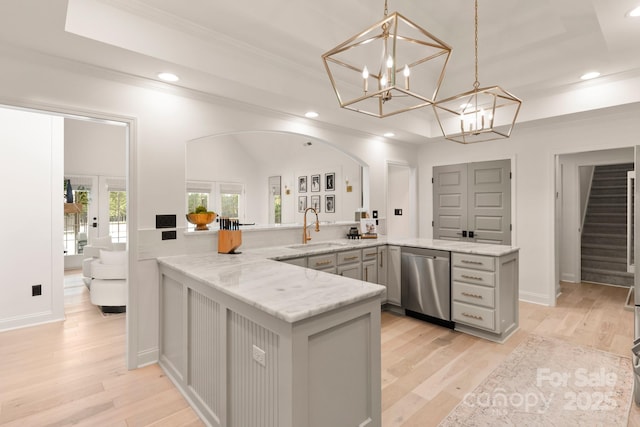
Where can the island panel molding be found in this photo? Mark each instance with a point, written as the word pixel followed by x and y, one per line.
pixel 235 362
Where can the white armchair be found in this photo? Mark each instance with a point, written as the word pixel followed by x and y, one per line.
pixel 92 252
pixel 108 288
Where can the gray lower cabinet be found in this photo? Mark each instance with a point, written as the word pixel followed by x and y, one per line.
pixel 370 264
pixel 240 366
pixel 484 294
pixel 325 262
pixel 349 264
pixel 383 260
pixel 393 275
pixel 300 262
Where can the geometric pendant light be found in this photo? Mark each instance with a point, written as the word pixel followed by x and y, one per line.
pixel 392 67
pixel 481 114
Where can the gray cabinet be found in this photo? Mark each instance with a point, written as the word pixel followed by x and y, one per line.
pixel 370 264
pixel 473 198
pixel 300 262
pixel 349 264
pixel 383 260
pixel 325 262
pixel 484 294
pixel 393 275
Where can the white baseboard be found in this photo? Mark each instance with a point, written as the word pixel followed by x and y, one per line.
pixel 148 357
pixel 534 298
pixel 35 319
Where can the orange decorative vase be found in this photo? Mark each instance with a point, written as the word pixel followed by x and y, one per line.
pixel 201 220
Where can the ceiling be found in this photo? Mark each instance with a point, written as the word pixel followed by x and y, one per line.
pixel 269 53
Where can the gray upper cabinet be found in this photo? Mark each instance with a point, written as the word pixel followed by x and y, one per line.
pixel 472 202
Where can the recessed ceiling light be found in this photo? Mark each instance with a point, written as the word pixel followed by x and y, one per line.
pixel 311 114
pixel 634 13
pixel 590 75
pixel 389 135
pixel 168 77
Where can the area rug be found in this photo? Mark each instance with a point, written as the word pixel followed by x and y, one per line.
pixel 548 382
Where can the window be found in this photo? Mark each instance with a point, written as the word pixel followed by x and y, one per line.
pixel 231 200
pixel 118 216
pixel 197 199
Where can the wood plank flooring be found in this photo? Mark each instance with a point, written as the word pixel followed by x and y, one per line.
pixel 73 373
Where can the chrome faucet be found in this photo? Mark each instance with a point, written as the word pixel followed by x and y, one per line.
pixel 306 235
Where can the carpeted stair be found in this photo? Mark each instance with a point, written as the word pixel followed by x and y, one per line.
pixel 604 235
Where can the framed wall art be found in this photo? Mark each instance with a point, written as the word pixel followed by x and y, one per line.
pixel 315 183
pixel 330 181
pixel 330 203
pixel 302 184
pixel 315 202
pixel 302 203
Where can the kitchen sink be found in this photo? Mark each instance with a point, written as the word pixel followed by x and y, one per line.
pixel 319 245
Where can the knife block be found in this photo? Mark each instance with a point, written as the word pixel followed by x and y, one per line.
pixel 229 241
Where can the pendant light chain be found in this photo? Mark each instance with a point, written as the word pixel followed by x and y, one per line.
pixel 386 9
pixel 476 84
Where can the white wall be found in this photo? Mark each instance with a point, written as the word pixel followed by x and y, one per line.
pixel 572 197
pixel 92 148
pixel 533 147
pixel 31 251
pixel 162 122
pixel 399 226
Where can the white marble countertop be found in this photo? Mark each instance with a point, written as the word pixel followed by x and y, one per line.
pixel 294 293
pixel 280 253
pixel 284 291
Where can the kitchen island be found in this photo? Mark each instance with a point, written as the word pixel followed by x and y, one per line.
pixel 251 341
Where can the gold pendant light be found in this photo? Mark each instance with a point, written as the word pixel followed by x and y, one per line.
pixel 481 114
pixel 392 67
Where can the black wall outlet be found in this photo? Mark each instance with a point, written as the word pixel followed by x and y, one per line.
pixel 169 235
pixel 36 290
pixel 398 211
pixel 374 214
pixel 165 221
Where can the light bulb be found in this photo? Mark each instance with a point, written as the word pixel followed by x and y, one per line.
pixel 406 71
pixel 383 81
pixel 365 73
pixel 389 62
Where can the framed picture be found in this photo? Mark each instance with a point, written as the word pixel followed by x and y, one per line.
pixel 315 200
pixel 302 184
pixel 315 183
pixel 368 226
pixel 330 181
pixel 330 203
pixel 302 203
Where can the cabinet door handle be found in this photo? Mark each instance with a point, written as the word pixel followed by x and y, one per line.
pixel 321 263
pixel 381 259
pixel 467 261
pixel 472 277
pixel 472 316
pixel 351 258
pixel 467 294
pixel 366 275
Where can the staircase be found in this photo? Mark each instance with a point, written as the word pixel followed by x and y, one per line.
pixel 604 235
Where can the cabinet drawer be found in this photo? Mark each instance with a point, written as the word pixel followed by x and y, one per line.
pixel 322 262
pixel 473 276
pixel 474 316
pixel 473 294
pixel 348 257
pixel 369 254
pixel 477 262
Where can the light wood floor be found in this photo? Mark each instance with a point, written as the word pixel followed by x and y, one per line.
pixel 73 373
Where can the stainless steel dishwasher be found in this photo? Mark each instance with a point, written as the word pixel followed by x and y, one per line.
pixel 426 288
